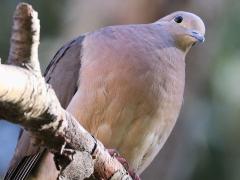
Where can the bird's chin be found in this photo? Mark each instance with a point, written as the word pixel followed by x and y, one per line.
pixel 191 40
pixel 194 43
pixel 186 42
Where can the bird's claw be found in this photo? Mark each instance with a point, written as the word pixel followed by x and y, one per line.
pixel 114 153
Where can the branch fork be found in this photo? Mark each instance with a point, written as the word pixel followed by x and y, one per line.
pixel 26 99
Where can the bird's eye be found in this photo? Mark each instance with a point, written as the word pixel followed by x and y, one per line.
pixel 178 19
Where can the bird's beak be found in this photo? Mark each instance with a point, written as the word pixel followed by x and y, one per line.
pixel 198 36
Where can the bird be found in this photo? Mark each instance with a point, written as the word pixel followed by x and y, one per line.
pixel 124 84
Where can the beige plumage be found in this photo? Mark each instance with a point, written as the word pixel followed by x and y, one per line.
pixel 125 85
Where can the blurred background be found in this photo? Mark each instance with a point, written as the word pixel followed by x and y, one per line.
pixel 205 143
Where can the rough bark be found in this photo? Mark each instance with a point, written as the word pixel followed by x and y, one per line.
pixel 27 100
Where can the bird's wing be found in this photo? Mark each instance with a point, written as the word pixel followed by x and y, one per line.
pixel 62 73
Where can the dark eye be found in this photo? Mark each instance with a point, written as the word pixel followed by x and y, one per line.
pixel 178 19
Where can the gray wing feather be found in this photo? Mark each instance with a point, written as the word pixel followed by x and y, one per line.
pixel 62 73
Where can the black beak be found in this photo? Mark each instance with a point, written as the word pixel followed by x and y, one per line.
pixel 198 36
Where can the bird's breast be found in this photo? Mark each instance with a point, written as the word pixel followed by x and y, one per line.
pixel 127 99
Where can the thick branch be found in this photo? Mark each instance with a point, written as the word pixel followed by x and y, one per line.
pixel 25 38
pixel 27 100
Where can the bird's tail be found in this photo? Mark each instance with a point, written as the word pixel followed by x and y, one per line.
pixel 22 170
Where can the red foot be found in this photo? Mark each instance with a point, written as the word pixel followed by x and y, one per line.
pixel 124 162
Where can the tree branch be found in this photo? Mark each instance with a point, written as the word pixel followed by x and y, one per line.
pixel 27 100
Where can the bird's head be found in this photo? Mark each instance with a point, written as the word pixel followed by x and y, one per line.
pixel 186 28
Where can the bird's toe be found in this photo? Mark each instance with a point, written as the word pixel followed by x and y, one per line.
pixel 114 153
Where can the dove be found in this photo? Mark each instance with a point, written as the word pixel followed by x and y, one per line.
pixel 124 84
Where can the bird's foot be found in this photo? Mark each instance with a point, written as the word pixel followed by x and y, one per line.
pixel 123 161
